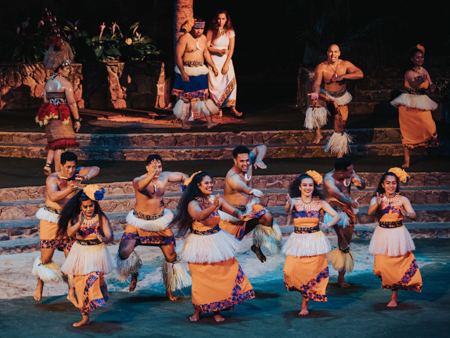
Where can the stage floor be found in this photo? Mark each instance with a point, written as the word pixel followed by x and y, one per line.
pixel 359 311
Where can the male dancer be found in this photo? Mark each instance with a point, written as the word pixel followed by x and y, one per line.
pixel 239 193
pixel 61 187
pixel 148 225
pixel 335 97
pixel 191 79
pixel 337 184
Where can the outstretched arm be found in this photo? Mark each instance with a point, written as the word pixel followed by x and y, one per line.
pixel 86 173
pixel 375 203
pixel 229 209
pixel 175 176
pixel 240 186
pixel 357 181
pixel 141 182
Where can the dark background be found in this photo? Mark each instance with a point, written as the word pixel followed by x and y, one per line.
pixel 271 36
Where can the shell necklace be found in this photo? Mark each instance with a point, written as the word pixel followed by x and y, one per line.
pixel 391 200
pixel 306 206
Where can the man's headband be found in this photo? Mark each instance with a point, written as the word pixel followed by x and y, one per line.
pixel 198 24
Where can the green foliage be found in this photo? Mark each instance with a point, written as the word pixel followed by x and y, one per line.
pixel 112 45
pixel 22 48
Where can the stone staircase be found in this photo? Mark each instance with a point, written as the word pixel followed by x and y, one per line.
pixel 428 192
pixel 212 145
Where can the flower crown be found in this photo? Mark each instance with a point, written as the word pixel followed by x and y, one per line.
pixel 421 48
pixel 189 180
pixel 93 192
pixel 316 177
pixel 400 173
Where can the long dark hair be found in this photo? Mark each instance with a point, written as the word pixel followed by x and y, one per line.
pixel 72 209
pixel 380 188
pixel 213 26
pixel 294 190
pixel 183 221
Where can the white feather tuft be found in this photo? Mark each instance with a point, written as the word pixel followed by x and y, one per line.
pixel 46 272
pixel 175 276
pixel 127 267
pixel 339 143
pixel 422 102
pixel 316 117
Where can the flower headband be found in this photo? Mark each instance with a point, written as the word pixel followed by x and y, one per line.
pixel 94 192
pixel 400 173
pixel 65 63
pixel 189 180
pixel 199 24
pixel 421 48
pixel 316 177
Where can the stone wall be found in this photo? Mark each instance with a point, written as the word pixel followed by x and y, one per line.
pixel 119 85
pixel 22 85
pixel 102 85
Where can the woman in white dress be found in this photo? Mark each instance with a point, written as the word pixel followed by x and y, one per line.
pixel 221 40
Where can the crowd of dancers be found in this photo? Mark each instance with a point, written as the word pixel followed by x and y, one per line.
pixel 72 220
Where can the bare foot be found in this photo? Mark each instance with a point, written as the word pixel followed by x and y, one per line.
pixel 343 284
pixel 235 112
pixel 71 297
pixel 170 295
pixel 84 321
pixel 47 170
pixel 185 125
pixel 318 138
pixel 394 299
pixel 195 316
pixel 217 317
pixel 106 293
pixel 405 165
pixel 133 283
pixel 212 125
pixel 258 253
pixel 220 113
pixel 304 311
pixel 38 292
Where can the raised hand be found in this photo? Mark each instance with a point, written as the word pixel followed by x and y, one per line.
pixel 152 169
pixel 324 226
pixel 79 177
pixel 355 180
pixel 260 164
pixel 289 199
pixel 379 198
pixel 355 203
pixel 217 201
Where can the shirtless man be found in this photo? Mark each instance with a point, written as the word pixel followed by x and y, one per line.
pixel 239 193
pixel 334 96
pixel 191 80
pixel 148 225
pixel 337 184
pixel 61 187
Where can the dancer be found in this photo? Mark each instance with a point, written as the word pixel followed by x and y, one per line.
pixel 221 42
pixel 334 97
pixel 148 224
pixel 59 102
pixel 61 187
pixel 306 266
pixel 337 185
pixel 414 108
pixel 239 193
pixel 391 242
pixel 191 80
pixel 89 259
pixel 218 282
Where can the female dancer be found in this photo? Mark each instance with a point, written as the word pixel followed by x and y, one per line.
pixel 89 259
pixel 218 282
pixel 391 242
pixel 306 266
pixel 414 107
pixel 221 40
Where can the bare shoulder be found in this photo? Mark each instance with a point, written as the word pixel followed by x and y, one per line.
pixel 203 37
pixel 320 66
pixel 53 178
pixel 405 199
pixel 137 179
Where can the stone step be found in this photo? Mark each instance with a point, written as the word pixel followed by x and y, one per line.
pixel 15 210
pixel 23 239
pixel 425 213
pixel 129 153
pixel 271 137
pixel 426 180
